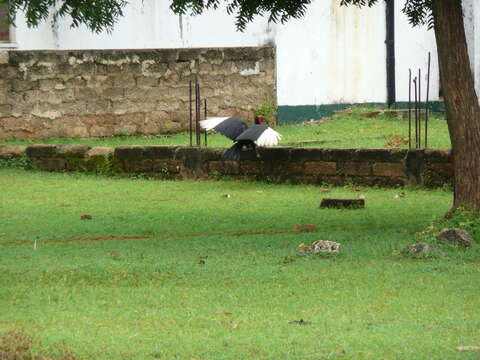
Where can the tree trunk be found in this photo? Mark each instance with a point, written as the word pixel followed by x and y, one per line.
pixel 461 101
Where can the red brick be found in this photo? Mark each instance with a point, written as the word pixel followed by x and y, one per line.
pixel 294 168
pixel 252 167
pixel 215 166
pixel 232 167
pixel 356 168
pixel 320 167
pixel 389 169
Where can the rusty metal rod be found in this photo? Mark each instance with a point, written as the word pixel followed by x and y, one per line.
pixel 199 116
pixel 190 129
pixel 416 111
pixel 197 102
pixel 427 110
pixel 205 118
pixel 409 108
pixel 419 108
pixel 196 113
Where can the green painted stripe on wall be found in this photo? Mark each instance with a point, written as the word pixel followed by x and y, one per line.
pixel 296 114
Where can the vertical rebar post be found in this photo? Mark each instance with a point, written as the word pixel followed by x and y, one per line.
pixel 427 110
pixel 197 103
pixel 205 118
pixel 196 112
pixel 190 129
pixel 199 116
pixel 419 108
pixel 416 111
pixel 409 108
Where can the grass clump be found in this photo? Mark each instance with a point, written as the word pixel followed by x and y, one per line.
pixel 462 218
pixel 17 162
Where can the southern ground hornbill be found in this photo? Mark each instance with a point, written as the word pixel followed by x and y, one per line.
pixel 242 134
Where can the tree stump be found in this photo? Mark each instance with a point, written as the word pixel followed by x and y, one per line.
pixel 332 203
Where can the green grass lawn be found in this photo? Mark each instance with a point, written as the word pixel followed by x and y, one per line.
pixel 176 270
pixel 341 131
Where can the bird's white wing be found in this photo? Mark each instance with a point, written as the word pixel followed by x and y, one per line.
pixel 268 138
pixel 212 122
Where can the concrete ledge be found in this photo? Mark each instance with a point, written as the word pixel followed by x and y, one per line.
pixel 41 151
pixel 374 167
pixel 9 152
pixel 72 151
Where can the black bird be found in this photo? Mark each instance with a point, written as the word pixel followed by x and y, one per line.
pixel 242 134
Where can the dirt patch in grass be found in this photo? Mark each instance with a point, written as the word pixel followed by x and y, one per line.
pixel 74 240
pixel 243 233
pixel 16 345
pixel 122 238
pixel 108 238
pixel 101 238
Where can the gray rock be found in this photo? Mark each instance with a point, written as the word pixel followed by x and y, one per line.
pixel 4 57
pixel 455 236
pixel 321 246
pixel 420 249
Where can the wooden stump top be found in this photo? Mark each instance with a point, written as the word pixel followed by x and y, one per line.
pixel 332 203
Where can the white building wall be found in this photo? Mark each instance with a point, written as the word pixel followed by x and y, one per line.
pixel 151 24
pixel 476 48
pixel 332 55
pixel 39 38
pixel 471 11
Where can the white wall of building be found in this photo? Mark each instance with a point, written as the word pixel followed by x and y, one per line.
pixel 151 24
pixel 41 37
pixel 476 41
pixel 471 12
pixel 412 45
pixel 332 55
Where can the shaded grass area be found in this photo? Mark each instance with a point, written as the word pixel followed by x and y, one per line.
pixel 168 270
pixel 344 130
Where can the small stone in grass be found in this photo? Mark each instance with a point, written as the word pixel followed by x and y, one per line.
pixel 400 195
pixel 455 236
pixel 420 249
pixel 300 322
pixel 225 313
pixel 321 246
pixel 468 348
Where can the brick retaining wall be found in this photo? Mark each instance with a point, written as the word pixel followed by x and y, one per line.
pixel 383 167
pixel 96 93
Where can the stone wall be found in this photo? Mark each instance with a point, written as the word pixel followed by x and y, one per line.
pixel 98 93
pixel 382 167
